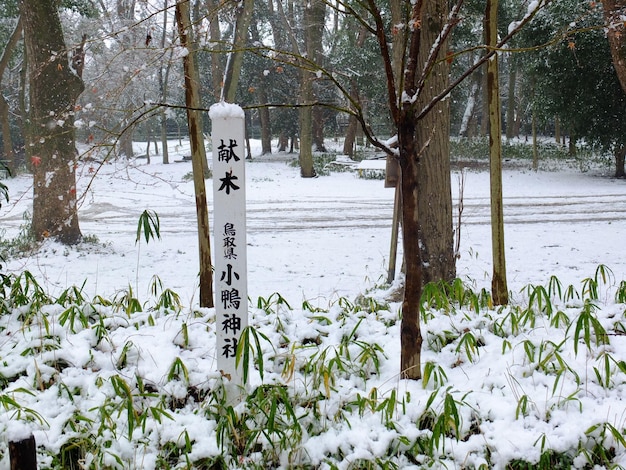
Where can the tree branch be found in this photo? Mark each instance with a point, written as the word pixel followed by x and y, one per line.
pixel 386 56
pixel 490 52
pixel 15 37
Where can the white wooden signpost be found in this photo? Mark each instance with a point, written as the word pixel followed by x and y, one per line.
pixel 229 226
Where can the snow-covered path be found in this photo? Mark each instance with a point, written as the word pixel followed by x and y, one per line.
pixel 324 237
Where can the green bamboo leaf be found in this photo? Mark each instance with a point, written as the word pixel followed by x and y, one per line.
pixel 522 407
pixel 271 420
pixel 617 435
pixel 603 273
pixel 149 224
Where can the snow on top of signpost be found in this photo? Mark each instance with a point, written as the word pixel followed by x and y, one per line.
pixel 225 110
pixel 17 431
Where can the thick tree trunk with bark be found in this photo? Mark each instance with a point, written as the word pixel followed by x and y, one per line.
pixel 306 126
pixel 318 129
pixel 614 13
pixel 283 141
pixel 125 142
pixel 315 46
pixel 433 170
pixel 313 24
pixel 54 88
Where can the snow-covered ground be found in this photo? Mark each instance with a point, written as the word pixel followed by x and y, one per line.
pixel 325 241
pixel 321 237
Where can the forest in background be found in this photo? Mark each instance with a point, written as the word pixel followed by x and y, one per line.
pixel 133 73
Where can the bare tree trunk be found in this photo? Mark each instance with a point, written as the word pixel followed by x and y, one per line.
pixel 127 131
pixel 350 138
pixel 499 288
pixel 125 7
pixel 399 15
pixel 535 144
pixel 557 130
pixel 264 112
pixel 217 68
pixel 313 24
pixel 484 113
pixel 198 153
pixel 409 155
pixel 163 134
pixel 54 89
pixel 410 331
pixel 467 130
pixel 314 48
pixel 353 124
pixel 266 124
pixel 163 79
pixel 8 156
pixel 436 234
pixel 283 141
pixel 7 141
pixel 126 13
pixel 510 106
pixel 318 129
pixel 148 142
pixel 614 13
pixel 424 168
pixel 235 58
pixel 306 126
pixel 620 154
pixel 24 118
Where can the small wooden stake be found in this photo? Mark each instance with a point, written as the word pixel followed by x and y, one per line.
pixel 23 454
